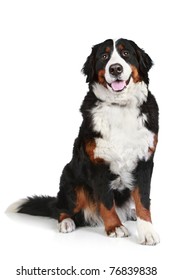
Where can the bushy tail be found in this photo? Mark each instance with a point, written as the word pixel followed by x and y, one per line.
pixel 36 206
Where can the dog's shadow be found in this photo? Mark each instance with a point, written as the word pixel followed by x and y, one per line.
pixel 99 230
pixel 36 221
pixel 51 225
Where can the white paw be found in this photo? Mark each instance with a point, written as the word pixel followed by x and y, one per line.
pixel 147 234
pixel 67 225
pixel 119 232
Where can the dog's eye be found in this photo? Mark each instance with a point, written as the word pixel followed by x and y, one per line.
pixel 125 53
pixel 104 56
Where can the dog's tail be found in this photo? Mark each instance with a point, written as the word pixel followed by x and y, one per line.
pixel 37 206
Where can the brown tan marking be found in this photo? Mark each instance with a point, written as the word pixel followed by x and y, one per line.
pixel 152 149
pixel 89 148
pixel 135 74
pixel 63 216
pixel 101 78
pixel 83 200
pixel 110 218
pixel 120 47
pixel 108 49
pixel 141 211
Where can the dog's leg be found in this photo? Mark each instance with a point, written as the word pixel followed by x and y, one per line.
pixel 113 225
pixel 141 196
pixel 70 206
pixel 65 202
pixel 104 195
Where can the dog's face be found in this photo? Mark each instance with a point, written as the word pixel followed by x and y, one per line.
pixel 116 65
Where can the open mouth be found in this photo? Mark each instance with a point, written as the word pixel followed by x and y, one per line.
pixel 119 85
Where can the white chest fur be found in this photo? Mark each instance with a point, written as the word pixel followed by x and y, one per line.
pixel 125 139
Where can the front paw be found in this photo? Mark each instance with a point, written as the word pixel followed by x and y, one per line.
pixel 147 234
pixel 120 231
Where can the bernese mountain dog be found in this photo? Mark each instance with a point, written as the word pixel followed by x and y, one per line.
pixel 112 162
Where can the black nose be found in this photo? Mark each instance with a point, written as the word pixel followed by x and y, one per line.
pixel 116 69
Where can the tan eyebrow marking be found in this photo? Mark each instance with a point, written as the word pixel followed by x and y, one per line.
pixel 120 47
pixel 108 49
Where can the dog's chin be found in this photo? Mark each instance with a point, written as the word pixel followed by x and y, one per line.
pixel 118 86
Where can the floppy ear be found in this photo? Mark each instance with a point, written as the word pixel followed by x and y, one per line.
pixel 145 62
pixel 89 66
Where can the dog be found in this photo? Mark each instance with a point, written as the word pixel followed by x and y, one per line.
pixel 112 160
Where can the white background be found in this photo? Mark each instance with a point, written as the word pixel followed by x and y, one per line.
pixel 43 47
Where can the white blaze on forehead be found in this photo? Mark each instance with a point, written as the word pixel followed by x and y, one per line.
pixel 116 58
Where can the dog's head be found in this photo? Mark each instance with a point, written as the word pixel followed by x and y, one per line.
pixel 116 65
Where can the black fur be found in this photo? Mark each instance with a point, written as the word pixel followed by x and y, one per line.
pixel 143 175
pixel 145 62
pixel 39 206
pixel 95 178
pixel 93 62
pixel 150 108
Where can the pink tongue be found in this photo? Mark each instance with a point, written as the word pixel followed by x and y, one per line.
pixel 118 85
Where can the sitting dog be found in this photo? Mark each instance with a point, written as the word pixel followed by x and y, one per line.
pixel 112 160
